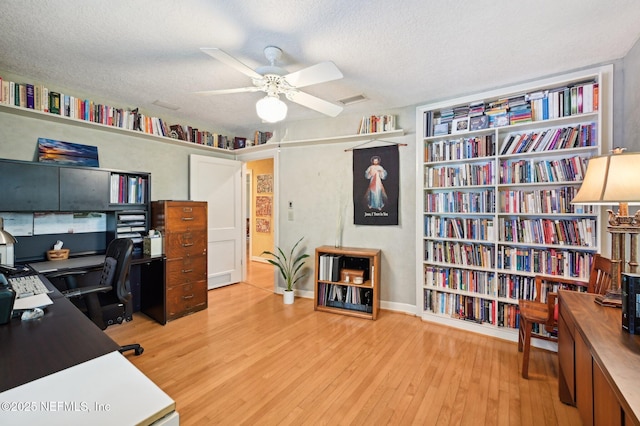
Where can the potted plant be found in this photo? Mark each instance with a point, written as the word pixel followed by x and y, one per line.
pixel 290 268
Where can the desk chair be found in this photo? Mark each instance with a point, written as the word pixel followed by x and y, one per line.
pixel 546 313
pixel 110 301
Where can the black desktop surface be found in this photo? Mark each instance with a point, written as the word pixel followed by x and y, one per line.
pixel 62 338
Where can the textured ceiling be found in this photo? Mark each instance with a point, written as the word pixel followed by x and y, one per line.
pixel 132 53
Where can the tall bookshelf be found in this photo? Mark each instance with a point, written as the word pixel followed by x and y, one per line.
pixel 495 190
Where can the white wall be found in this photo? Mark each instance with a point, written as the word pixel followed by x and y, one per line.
pixel 318 181
pixel 168 164
pixel 631 100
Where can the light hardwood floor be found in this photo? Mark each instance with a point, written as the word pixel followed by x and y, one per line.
pixel 250 359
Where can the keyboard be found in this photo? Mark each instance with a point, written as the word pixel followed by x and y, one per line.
pixel 28 285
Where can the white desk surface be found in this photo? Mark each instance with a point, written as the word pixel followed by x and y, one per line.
pixel 72 263
pixel 107 390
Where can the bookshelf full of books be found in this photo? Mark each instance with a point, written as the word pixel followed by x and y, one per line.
pixel 347 281
pixel 496 173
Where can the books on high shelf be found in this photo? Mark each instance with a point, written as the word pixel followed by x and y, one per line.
pixel 38 97
pixel 260 138
pixel 579 98
pixel 377 123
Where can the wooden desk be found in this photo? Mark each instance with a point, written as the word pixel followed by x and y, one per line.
pixel 598 362
pixel 63 337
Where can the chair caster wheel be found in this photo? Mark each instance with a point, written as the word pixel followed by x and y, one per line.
pixel 139 351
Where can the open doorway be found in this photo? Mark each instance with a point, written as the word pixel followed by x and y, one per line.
pixel 260 221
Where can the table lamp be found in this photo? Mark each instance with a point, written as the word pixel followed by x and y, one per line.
pixel 6 245
pixel 615 179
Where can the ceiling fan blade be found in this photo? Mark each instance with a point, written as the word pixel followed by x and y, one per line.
pixel 309 101
pixel 227 59
pixel 227 91
pixel 319 73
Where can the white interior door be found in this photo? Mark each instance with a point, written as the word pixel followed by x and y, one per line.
pixel 219 182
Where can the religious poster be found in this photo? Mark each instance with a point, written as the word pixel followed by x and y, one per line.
pixel 376 185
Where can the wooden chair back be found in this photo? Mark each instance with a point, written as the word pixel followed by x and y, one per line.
pixel 601 275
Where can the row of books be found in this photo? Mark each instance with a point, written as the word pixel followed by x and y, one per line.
pixel 40 98
pixel 458 253
pixel 481 282
pixel 377 123
pixel 455 227
pixel 460 148
pixel 582 135
pixel 469 174
pixel 548 261
pixel 542 201
pixel 260 138
pixel 126 189
pixel 470 308
pixel 460 202
pixel 329 267
pixel 522 287
pixel 345 297
pixel 579 98
pixel 573 232
pixel 570 169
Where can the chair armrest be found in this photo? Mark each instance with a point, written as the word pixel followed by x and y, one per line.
pixel 561 280
pixel 82 291
pixel 64 274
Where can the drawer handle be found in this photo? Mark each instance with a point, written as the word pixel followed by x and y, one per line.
pixel 187 244
pixel 186 271
pixel 187 218
pixel 187 209
pixel 188 297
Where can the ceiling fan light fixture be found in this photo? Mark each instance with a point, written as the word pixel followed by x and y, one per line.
pixel 271 109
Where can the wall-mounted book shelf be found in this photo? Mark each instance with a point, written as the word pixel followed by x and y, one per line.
pixel 320 141
pixel 26 112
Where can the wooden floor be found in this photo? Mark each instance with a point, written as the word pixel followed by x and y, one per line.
pixel 250 359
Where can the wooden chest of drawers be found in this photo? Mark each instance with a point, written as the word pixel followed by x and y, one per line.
pixel 183 225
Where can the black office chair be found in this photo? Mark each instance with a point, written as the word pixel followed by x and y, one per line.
pixel 109 302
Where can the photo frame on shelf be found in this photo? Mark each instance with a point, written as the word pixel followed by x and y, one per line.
pixel 460 125
pixel 478 122
pixel 441 129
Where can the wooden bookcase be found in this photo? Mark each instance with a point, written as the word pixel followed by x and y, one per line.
pixel 335 290
pixel 491 216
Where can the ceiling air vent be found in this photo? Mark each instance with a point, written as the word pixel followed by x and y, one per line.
pixel 352 99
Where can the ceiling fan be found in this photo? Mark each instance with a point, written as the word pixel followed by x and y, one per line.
pixel 274 81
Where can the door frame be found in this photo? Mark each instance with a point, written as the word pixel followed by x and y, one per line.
pixel 275 155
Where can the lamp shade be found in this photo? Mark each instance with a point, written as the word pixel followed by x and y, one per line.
pixel 611 179
pixel 5 237
pixel 271 109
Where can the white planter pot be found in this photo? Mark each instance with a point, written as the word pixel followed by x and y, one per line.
pixel 288 297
